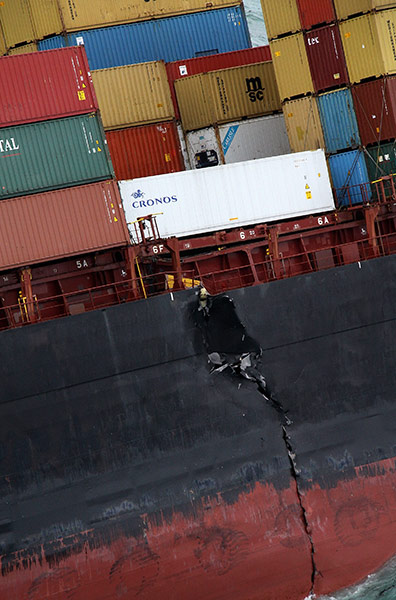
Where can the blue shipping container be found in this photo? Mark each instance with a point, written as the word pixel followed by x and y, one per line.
pixel 176 38
pixel 338 118
pixel 349 169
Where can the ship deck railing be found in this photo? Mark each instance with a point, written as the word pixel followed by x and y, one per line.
pixel 129 290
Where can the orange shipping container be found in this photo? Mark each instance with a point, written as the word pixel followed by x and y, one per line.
pixel 227 95
pixel 134 94
pixel 62 223
pixel 144 151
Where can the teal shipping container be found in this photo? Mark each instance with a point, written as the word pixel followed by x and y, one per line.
pixel 338 118
pixel 350 178
pixel 53 154
pixel 381 160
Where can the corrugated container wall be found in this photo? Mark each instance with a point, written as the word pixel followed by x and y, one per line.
pixel 227 95
pixel 337 115
pixel 45 85
pixel 291 65
pixel 361 47
pixel 227 196
pixel 385 22
pixel 88 14
pixel 375 106
pixel 204 64
pixel 280 17
pixel 187 36
pixel 326 58
pixel 238 141
pixel 26 48
pixel 254 138
pixel 369 44
pixel 314 13
pixel 133 95
pixel 303 124
pixel 29 20
pixel 381 160
pixel 346 8
pixel 62 223
pixel 52 154
pixel 349 169
pixel 3 47
pixel 144 151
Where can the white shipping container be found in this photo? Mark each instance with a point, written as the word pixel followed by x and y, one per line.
pixel 238 141
pixel 254 138
pixel 257 191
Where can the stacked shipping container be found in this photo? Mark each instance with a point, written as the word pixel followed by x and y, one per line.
pixel 138 116
pixel 124 35
pixel 320 60
pixel 234 95
pixel 52 140
pixel 33 20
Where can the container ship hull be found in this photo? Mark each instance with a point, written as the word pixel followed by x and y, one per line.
pixel 134 466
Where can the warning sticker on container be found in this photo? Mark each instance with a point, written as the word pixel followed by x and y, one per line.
pixel 81 95
pixel 308 195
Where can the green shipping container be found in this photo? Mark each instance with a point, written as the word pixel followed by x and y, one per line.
pixel 53 154
pixel 381 160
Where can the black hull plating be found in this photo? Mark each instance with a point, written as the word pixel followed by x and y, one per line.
pixel 112 426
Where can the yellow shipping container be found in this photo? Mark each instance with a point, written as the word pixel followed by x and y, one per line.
pixel 227 95
pixel 385 22
pixel 24 49
pixel 85 14
pixel 3 47
pixel 369 44
pixel 291 65
pixel 280 16
pixel 28 20
pixel 346 8
pixel 133 95
pixel 303 125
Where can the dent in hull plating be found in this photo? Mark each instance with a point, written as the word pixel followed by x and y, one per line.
pixel 128 470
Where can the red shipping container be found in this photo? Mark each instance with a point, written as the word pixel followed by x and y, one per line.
pixel 39 86
pixel 326 58
pixel 144 151
pixel 375 107
pixel 315 12
pixel 204 64
pixel 53 225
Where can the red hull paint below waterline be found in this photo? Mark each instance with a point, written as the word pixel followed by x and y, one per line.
pixel 255 548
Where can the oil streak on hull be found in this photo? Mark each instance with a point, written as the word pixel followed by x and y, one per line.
pixel 129 470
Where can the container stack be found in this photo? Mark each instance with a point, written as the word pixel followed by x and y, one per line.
pixel 323 53
pixel 138 117
pixel 229 107
pixel 120 32
pixel 143 140
pixel 58 196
